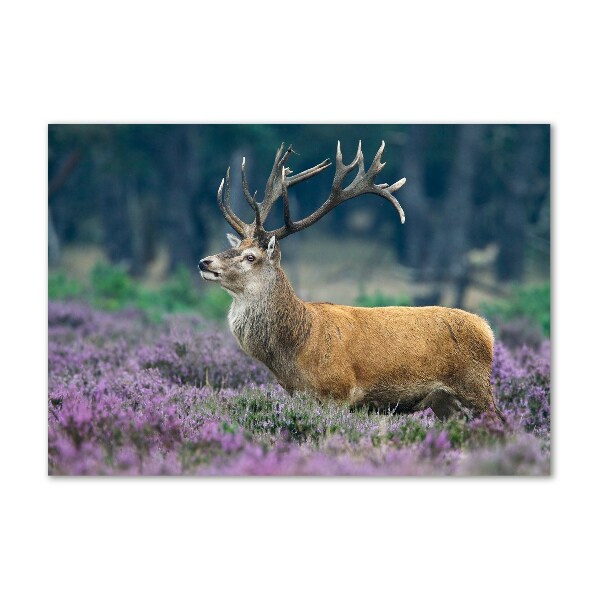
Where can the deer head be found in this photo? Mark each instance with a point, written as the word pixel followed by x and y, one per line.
pixel 242 268
pixel 257 253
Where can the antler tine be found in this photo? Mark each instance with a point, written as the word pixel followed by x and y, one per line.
pixel 377 165
pixel 363 183
pixel 250 199
pixel 308 173
pixel 341 170
pixel 361 160
pixel 238 225
pixel 396 186
pixel 286 203
pixel 282 162
pixel 387 194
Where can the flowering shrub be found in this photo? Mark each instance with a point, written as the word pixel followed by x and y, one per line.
pixel 130 396
pixel 521 381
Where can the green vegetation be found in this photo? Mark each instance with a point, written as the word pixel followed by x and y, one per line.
pixel 529 302
pixel 380 299
pixel 60 287
pixel 112 288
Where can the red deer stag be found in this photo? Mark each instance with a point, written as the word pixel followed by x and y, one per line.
pixel 407 358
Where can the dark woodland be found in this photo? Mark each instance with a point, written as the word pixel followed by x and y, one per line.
pixel 135 189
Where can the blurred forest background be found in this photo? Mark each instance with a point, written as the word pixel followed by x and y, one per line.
pixel 131 209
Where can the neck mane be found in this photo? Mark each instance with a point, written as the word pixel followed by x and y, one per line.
pixel 270 322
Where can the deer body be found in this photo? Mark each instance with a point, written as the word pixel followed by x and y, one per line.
pixel 407 358
pixel 394 356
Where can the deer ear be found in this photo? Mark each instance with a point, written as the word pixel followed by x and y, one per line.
pixel 271 247
pixel 233 240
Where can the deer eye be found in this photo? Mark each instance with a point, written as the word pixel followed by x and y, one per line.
pixel 249 257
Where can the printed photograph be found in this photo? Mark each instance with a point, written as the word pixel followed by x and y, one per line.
pixel 299 300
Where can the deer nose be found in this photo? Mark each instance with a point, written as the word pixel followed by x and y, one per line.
pixel 204 263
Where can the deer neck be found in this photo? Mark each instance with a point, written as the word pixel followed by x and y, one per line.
pixel 270 322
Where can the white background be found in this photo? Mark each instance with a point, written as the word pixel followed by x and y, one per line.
pixel 425 62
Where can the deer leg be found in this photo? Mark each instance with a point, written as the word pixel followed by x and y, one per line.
pixel 444 404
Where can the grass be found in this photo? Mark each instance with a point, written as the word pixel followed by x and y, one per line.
pixel 111 288
pixel 530 302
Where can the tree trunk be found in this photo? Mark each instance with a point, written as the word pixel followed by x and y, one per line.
pixel 518 202
pixel 180 229
pixel 137 219
pixel 417 230
pixel 450 246
pixel 54 185
pixel 53 243
pixel 114 213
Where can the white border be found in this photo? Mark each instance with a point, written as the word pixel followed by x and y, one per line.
pixel 309 62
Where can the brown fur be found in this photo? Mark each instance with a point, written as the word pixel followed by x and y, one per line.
pixel 405 358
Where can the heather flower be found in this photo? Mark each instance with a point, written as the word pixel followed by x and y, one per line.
pixel 131 397
pixel 523 456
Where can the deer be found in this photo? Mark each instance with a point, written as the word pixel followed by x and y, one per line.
pixel 407 359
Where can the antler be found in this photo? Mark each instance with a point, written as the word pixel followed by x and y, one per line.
pixel 363 183
pixel 280 181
